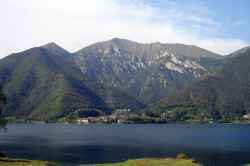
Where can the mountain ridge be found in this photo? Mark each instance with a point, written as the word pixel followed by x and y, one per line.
pixel 129 65
pixel 104 76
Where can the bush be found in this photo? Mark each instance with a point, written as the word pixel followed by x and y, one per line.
pixel 181 156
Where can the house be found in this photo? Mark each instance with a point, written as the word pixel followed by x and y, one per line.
pixel 83 121
pixel 246 116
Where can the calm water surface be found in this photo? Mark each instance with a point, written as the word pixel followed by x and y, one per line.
pixel 215 145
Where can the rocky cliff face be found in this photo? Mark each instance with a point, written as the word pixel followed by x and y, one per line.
pixel 223 96
pixel 147 72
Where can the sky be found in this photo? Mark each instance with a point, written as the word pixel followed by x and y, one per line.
pixel 221 26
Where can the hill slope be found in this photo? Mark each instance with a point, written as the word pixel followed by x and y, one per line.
pixel 44 83
pixel 224 96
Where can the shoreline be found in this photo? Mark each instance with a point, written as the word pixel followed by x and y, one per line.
pixel 132 123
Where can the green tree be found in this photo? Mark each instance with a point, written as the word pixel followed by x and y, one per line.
pixel 2 100
pixel 2 104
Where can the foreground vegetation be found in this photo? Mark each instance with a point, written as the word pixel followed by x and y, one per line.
pixel 21 162
pixel 137 162
pixel 155 162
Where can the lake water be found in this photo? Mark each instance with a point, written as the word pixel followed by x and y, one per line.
pixel 222 145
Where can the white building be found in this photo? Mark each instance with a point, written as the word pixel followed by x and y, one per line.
pixel 83 121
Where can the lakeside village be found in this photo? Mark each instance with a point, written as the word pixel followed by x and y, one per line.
pixel 127 116
pixel 121 116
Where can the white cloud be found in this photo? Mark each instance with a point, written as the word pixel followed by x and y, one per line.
pixel 74 24
pixel 222 46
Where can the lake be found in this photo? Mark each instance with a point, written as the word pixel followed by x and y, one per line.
pixel 210 144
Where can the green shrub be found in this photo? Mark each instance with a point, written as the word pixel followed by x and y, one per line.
pixel 181 156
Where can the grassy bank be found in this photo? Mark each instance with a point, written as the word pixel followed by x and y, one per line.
pixel 155 162
pixel 21 162
pixel 137 162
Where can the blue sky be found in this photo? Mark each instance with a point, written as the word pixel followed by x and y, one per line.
pixel 221 26
pixel 232 16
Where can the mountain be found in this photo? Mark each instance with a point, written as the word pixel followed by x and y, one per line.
pixel 144 73
pixel 48 82
pixel 224 96
pixel 238 52
pixel 45 83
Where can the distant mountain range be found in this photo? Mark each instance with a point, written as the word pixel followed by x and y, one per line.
pixel 48 82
